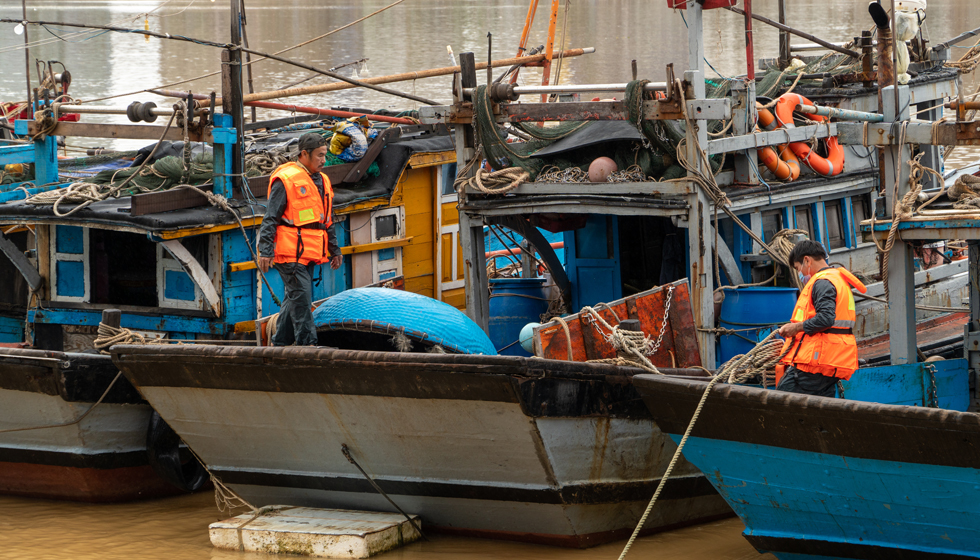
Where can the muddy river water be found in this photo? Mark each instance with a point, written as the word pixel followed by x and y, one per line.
pixel 411 36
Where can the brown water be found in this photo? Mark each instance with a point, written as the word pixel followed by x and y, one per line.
pixel 410 36
pixel 176 528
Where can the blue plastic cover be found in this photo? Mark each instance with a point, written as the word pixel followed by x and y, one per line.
pixel 420 318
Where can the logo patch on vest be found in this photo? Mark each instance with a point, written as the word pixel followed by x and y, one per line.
pixel 302 190
pixel 306 215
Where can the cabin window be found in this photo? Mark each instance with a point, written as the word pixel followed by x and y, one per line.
pixel 176 288
pixel 122 268
pixel 447 176
pixel 772 222
pixel 804 220
pixel 835 225
pixel 69 264
pixel 861 205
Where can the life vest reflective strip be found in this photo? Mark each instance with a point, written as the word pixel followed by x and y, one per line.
pixel 828 166
pixel 833 352
pixel 301 235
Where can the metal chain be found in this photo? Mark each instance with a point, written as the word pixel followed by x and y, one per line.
pixel 663 325
pixel 933 399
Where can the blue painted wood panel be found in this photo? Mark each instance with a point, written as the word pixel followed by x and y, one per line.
pixel 11 329
pixel 71 278
pixel 787 493
pixel 165 323
pixel 592 262
pixel 69 239
pixel 910 384
pixel 178 285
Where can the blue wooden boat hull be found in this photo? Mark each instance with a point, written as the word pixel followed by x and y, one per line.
pixel 817 478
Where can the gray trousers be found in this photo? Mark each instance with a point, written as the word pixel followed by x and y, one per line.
pixel 295 324
pixel 804 382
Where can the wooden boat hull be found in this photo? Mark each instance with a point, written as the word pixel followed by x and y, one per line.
pixel 828 478
pixel 505 447
pixel 103 458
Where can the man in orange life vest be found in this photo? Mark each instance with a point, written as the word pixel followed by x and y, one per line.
pixel 297 235
pixel 820 335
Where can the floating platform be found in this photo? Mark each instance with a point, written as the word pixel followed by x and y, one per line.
pixel 323 533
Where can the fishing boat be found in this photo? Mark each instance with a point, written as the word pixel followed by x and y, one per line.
pixel 503 447
pixel 177 268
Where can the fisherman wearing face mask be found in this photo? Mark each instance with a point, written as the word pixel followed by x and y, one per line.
pixel 819 336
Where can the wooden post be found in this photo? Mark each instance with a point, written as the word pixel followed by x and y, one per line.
pixel 901 272
pixel 231 92
pixel 27 61
pixel 700 272
pixel 112 318
pixel 471 234
pixel 784 52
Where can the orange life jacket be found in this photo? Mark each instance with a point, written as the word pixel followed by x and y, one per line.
pixel 833 352
pixel 301 235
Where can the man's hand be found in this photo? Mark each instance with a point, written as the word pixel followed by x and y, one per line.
pixel 335 262
pixel 789 330
pixel 264 264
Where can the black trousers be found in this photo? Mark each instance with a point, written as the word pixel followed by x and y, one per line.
pixel 295 324
pixel 798 381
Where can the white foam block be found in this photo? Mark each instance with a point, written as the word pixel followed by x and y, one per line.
pixel 325 533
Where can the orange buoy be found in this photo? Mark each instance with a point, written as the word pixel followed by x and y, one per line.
pixel 828 166
pixel 785 166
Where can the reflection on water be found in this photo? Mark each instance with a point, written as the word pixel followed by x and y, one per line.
pixel 176 528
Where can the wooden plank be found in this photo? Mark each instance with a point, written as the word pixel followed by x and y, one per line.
pixel 177 233
pixel 649 188
pixel 178 199
pixel 376 246
pixel 428 159
pixel 119 131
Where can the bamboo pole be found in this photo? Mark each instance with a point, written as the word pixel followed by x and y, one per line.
pixel 402 77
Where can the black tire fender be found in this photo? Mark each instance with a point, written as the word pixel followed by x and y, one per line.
pixel 163 454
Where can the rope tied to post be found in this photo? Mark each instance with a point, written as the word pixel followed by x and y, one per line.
pixel 108 336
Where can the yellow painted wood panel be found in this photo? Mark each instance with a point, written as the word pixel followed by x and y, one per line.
pixel 416 269
pixel 422 285
pixel 418 252
pixel 450 216
pixel 456 298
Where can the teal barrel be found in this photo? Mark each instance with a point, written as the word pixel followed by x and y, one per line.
pixel 514 302
pixel 761 310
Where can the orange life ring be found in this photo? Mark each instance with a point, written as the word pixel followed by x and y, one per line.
pixel 785 166
pixel 828 166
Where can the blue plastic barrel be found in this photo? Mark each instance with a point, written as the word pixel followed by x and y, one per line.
pixel 514 302
pixel 758 309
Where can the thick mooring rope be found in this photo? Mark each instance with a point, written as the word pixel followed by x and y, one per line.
pixel 736 368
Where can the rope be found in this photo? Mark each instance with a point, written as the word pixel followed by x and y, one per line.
pixel 966 192
pixel 84 193
pixel 76 420
pixel 733 369
pixel 108 336
pixel 497 182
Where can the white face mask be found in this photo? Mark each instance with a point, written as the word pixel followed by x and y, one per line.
pixel 803 279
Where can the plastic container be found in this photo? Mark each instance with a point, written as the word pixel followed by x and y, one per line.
pixel 760 309
pixel 514 302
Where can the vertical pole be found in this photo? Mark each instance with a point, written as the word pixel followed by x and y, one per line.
pixel 471 234
pixel 27 61
pixel 971 344
pixel 744 113
pixel 749 46
pixel 901 272
pixel 700 273
pixel 236 96
pixel 528 20
pixel 248 57
pixel 549 48
pixel 784 52
pixel 931 110
pixel 46 161
pixel 112 318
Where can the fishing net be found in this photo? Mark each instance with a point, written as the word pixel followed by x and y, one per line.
pixel 775 81
pixel 160 175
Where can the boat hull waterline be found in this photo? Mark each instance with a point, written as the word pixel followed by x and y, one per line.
pixel 817 478
pixel 504 447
